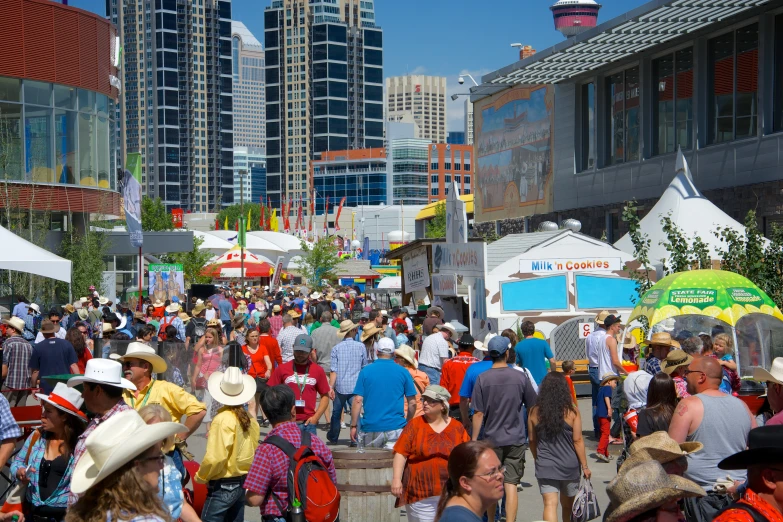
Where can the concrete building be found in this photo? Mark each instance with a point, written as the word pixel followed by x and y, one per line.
pixel 408 163
pixel 247 62
pixel 449 163
pixel 250 171
pixel 422 96
pixel 324 87
pixel 177 98
pixel 468 122
pixel 358 175
pixel 456 138
pixel 578 129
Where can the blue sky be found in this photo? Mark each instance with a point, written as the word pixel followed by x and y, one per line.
pixel 444 37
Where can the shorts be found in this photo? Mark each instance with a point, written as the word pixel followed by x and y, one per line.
pixel 513 458
pixel 569 487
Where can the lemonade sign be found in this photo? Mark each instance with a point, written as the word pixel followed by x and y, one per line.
pixel 714 293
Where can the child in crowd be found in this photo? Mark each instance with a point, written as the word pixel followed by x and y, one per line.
pixel 604 413
pixel 569 368
pixel 723 349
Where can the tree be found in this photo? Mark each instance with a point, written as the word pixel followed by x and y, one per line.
pixel 233 212
pixel 154 216
pixel 86 252
pixel 192 263
pixel 319 261
pixel 436 227
pixel 641 250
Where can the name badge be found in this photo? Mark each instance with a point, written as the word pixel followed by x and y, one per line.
pixel 300 404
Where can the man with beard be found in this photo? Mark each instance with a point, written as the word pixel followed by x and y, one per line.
pixel 719 421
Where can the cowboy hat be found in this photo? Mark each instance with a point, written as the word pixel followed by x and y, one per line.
pixel 145 353
pixel 184 317
pixel 83 300
pixel 231 388
pixel 599 319
pixel 69 308
pixel 107 328
pixel 198 309
pixel 346 327
pixel 660 447
pixel 675 359
pixel 774 375
pixel 173 308
pixel 407 353
pixel 158 303
pixel 122 319
pixel 447 326
pixel 294 314
pixel 433 309
pixel 15 323
pixel 644 487
pixel 765 446
pixel 214 323
pixel 662 339
pixel 66 399
pixel 316 295
pixel 605 378
pixel 484 346
pixel 103 301
pixel 466 340
pixel 102 371
pixel 114 443
pixel 83 314
pixel 138 316
pixel 276 308
pixel 47 327
pixel 368 331
pixel 34 307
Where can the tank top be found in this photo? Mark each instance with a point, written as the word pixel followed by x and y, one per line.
pixel 557 458
pixel 723 431
pixel 210 362
pixel 604 358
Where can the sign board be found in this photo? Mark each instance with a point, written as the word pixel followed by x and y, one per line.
pixel 415 271
pixel 456 217
pixel 278 274
pixel 130 188
pixel 166 281
pixel 566 264
pixel 466 259
pixel 585 329
pixel 479 325
pixel 444 285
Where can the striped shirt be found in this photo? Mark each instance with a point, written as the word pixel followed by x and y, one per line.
pixel 348 359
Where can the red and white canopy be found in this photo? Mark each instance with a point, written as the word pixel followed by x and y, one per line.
pixel 229 265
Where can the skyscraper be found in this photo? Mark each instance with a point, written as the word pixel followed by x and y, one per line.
pixel 247 60
pixel 422 96
pixel 177 98
pixel 324 86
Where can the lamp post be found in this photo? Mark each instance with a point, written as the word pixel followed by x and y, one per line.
pixel 243 232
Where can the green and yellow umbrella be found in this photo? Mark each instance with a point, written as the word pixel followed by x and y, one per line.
pixel 713 293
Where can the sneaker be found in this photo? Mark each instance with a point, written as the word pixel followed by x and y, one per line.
pixel 343 426
pixel 602 457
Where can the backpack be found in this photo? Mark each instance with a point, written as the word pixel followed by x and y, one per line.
pixel 166 321
pixel 199 330
pixel 308 481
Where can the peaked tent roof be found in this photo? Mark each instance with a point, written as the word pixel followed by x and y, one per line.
pixel 23 256
pixel 694 214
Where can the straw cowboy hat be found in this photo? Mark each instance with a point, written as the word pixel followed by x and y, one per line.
pixel 644 487
pixel 369 330
pixel 103 301
pixel 765 446
pixel 660 447
pixel 15 323
pixel 214 323
pixel 674 360
pixel 433 309
pixel 145 353
pixel 276 309
pixel 184 317
pixel 198 309
pixel 107 328
pixel 158 303
pixel 66 399
pixel 83 314
pixel 407 353
pixel 241 308
pixel 346 327
pixel 173 308
pixel 316 295
pixel 774 375
pixel 599 319
pixel 102 371
pixel 69 308
pixel 231 388
pixel 662 339
pixel 605 378
pixel 114 443
pixel 294 314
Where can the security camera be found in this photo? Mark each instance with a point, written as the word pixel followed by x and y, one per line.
pixel 461 80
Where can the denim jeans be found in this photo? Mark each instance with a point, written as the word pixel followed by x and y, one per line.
pixel 341 401
pixel 595 380
pixel 224 503
pixel 432 373
pixel 176 456
pixel 311 428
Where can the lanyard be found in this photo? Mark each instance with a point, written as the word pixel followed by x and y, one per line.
pixel 304 382
pixel 146 396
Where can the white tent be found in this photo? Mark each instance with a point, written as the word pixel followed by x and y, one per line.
pixel 212 243
pixel 391 282
pixel 254 243
pixel 288 242
pixel 694 214
pixel 23 256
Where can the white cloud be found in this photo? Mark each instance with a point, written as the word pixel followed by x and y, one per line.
pixel 420 69
pixel 456 109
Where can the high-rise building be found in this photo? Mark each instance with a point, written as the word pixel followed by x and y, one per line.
pixel 250 171
pixel 407 162
pixel 447 163
pixel 422 96
pixel 247 61
pixel 468 122
pixel 177 98
pixel 456 138
pixel 358 175
pixel 324 86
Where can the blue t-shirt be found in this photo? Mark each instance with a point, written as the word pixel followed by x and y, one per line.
pixel 458 514
pixel 384 385
pixel 52 357
pixel 224 305
pixel 532 354
pixel 472 373
pixel 600 408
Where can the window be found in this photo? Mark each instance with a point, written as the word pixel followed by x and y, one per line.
pixel 624 111
pixel 733 101
pixel 434 159
pixel 673 101
pixel 588 126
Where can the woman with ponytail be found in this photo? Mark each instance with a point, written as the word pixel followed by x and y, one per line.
pixel 475 483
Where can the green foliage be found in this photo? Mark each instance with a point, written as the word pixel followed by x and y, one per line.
pixel 701 253
pixel 436 227
pixel 319 261
pixel 677 246
pixel 234 211
pixel 86 252
pixel 192 263
pixel 154 217
pixel 641 249
pixel 491 236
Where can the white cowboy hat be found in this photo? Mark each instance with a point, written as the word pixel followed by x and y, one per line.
pixel 157 304
pixel 123 320
pixel 145 353
pixel 774 375
pixel 231 388
pixel 103 301
pixel 66 399
pixel 102 371
pixel 114 443
pixel 482 346
pixel 316 295
pixel 15 323
pixel 173 308
pixel 34 307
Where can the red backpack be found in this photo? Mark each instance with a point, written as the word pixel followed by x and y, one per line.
pixel 166 321
pixel 308 481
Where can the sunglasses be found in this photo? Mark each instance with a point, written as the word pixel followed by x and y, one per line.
pixel 159 458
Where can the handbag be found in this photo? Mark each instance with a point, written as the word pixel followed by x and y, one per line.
pixel 18 493
pixel 585 503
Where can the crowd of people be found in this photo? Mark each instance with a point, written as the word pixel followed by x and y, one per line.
pixel 123 391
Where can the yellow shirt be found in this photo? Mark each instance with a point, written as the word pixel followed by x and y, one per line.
pixel 230 450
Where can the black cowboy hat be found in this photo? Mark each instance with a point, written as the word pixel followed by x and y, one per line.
pixel 466 340
pixel 765 446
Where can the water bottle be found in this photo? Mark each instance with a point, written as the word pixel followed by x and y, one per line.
pixel 360 441
pixel 297 514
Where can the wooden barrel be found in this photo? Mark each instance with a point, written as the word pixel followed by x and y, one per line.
pixel 364 481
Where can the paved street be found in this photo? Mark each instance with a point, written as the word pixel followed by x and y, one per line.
pixel 530 504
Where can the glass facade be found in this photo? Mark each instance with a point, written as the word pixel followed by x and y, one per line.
pixel 588 126
pixel 673 101
pixel 53 133
pixel 623 140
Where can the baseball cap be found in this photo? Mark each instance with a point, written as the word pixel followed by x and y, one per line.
pixel 498 346
pixel 365 315
pixel 385 346
pixel 303 343
pixel 611 319
pixel 439 393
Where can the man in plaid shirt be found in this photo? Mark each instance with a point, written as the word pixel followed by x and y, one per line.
pixel 267 481
pixel 348 358
pixel 286 337
pixel 16 359
pixel 276 320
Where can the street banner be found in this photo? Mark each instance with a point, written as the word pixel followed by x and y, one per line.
pixel 286 213
pixel 166 281
pixel 444 285
pixel 241 232
pixel 277 275
pixel 263 214
pixel 326 217
pixel 416 274
pixel 131 196
pixel 337 217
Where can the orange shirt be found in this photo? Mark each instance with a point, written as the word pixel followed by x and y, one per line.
pixel 752 499
pixel 453 373
pixel 420 381
pixel 258 366
pixel 272 349
pixel 571 386
pixel 428 455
